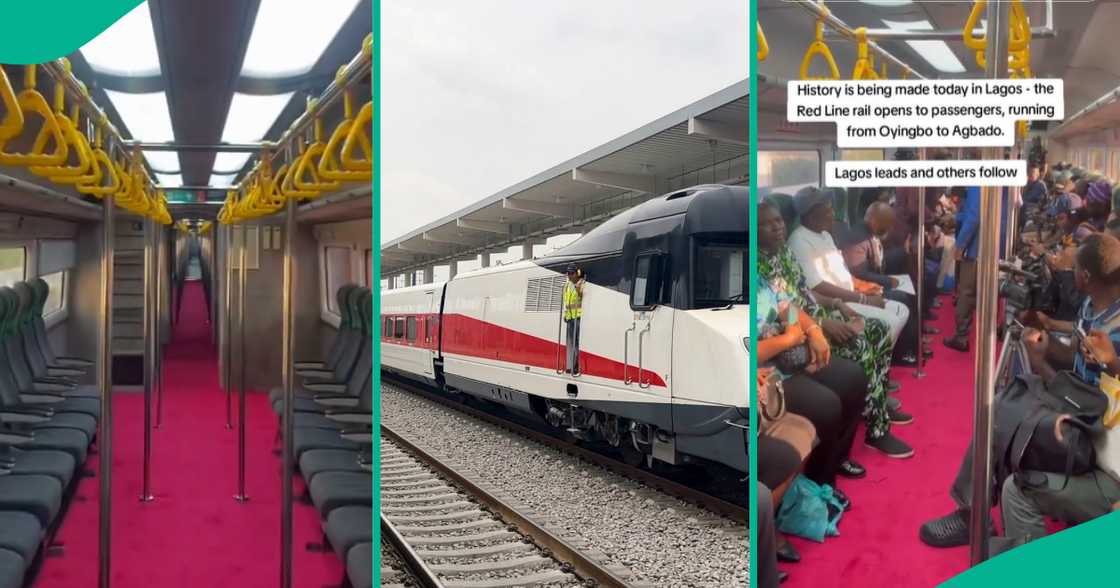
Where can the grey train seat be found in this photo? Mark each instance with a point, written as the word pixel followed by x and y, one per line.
pixel 12 567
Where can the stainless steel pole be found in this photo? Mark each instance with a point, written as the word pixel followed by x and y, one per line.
pixel 227 336
pixel 149 354
pixel 920 274
pixel 242 273
pixel 161 267
pixel 289 397
pixel 105 378
pixel 987 276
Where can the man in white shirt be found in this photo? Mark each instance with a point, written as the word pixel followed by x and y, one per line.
pixel 823 262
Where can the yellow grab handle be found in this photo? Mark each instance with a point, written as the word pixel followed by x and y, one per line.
pixel 95 188
pixel 865 67
pixel 328 166
pixel 1019 30
pixel 12 125
pixel 31 101
pixel 763 46
pixel 816 48
pixel 971 41
pixel 287 176
pixel 357 138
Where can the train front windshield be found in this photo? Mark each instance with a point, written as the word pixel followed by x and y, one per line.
pixel 720 274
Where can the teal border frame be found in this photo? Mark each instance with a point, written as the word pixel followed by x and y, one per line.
pixel 375 271
pixel 752 141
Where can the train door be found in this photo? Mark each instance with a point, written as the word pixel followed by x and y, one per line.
pixel 651 333
pixel 429 335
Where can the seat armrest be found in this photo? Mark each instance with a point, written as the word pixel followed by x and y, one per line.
pixel 337 400
pixel 53 387
pixel 319 373
pixel 309 365
pixel 28 415
pixel 362 435
pixel 41 398
pixel 64 372
pixel 326 387
pixel 9 437
pixel 363 417
pixel 75 362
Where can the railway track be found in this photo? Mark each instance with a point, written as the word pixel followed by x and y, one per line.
pixel 448 530
pixel 673 488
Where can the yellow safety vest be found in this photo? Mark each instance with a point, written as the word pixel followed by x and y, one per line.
pixel 573 301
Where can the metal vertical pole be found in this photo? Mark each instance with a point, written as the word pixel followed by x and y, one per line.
pixel 920 274
pixel 149 354
pixel 242 274
pixel 227 336
pixel 289 397
pixel 987 275
pixel 161 263
pixel 105 377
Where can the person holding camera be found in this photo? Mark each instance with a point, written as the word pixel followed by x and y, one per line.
pixel 1028 496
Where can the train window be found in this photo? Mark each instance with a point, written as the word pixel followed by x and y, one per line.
pixel 862 154
pixel 788 171
pixel 398 331
pixel 56 299
pixel 336 263
pixel 647 281
pixel 12 265
pixel 720 274
pixel 387 329
pixel 410 328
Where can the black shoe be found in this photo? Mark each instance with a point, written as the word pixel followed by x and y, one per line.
pixel 950 530
pixel 893 403
pixel 890 446
pixel 957 344
pixel 930 330
pixel 908 360
pixel 936 303
pixel 898 417
pixel 852 470
pixel 782 576
pixel 929 315
pixel 787 554
pixel 845 502
pixel 893 386
pixel 927 353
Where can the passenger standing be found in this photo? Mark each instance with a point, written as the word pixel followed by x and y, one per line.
pixel 967 245
pixel 1033 195
pixel 573 312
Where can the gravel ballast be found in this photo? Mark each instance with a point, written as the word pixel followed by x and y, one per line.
pixel 663 541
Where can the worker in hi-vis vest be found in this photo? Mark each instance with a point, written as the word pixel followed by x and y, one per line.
pixel 573 311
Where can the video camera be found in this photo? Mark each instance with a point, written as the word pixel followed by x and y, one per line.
pixel 1024 287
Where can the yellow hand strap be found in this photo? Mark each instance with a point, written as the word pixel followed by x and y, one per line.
pixel 818 48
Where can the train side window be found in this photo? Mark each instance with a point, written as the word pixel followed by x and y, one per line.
pixel 387 329
pixel 788 171
pixel 398 332
pixel 56 299
pixel 647 281
pixel 410 328
pixel 13 265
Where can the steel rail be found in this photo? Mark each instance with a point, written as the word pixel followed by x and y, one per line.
pixel 584 565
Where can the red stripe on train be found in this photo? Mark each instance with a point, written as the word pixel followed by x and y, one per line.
pixel 464 335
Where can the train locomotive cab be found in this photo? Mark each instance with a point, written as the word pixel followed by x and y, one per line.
pixel 662 354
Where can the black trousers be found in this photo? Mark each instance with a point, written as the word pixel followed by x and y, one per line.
pixel 767 573
pixel 907 343
pixel 832 399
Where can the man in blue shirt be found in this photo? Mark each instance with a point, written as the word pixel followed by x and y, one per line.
pixel 1033 194
pixel 967 245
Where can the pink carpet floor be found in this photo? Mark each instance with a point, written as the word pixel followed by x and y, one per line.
pixel 194 534
pixel 878 543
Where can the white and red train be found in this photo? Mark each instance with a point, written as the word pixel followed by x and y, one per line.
pixel 663 347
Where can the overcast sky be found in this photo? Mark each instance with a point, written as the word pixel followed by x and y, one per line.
pixel 480 95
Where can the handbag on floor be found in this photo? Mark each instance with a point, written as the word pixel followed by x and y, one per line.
pixel 1107 444
pixel 810 510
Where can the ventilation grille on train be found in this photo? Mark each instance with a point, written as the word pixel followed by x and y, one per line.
pixel 544 294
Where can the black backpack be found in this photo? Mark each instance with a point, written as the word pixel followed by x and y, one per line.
pixel 1025 416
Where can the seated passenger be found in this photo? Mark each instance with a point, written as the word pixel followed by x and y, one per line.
pixel 829 391
pixel 866 342
pixel 1028 496
pixel 826 274
pixel 1033 194
pixel 1098 206
pixel 768 574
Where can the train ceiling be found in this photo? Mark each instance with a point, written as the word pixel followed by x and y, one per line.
pixel 1083 52
pixel 210 71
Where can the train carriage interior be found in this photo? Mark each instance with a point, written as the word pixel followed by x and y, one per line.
pixel 884 535
pixel 185 307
